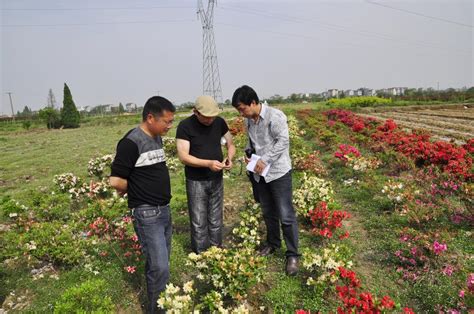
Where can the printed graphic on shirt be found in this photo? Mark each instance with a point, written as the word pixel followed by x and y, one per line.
pixel 151 157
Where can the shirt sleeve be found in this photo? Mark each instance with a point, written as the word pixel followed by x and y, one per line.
pixel 224 128
pixel 181 131
pixel 125 159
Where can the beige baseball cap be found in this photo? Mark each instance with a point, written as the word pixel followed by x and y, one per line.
pixel 207 106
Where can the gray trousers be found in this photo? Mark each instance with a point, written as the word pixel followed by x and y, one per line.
pixel 205 205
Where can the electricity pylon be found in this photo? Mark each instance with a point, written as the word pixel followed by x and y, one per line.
pixel 210 69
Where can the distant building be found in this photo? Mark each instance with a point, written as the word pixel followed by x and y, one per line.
pixel 130 107
pixel 348 93
pixel 394 91
pixel 333 93
pixel 84 109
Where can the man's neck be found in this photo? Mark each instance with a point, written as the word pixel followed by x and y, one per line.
pixel 256 118
pixel 144 128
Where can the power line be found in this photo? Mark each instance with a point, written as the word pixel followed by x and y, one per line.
pixel 337 27
pixel 419 14
pixel 99 23
pixel 293 35
pixel 102 9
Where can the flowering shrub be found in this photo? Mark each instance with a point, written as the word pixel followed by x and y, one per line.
pixel 169 145
pixel 67 182
pixel 96 166
pixel 311 191
pixel 298 147
pixel 362 163
pixel 98 189
pixel 355 301
pixel 12 208
pixel 439 248
pixel 325 222
pixel 419 254
pixel 451 158
pixel 351 157
pixel 174 302
pixel 311 163
pixel 236 126
pixel 246 233
pixel 323 263
pixel 173 164
pixel 346 152
pixel 294 129
pixel 356 123
pixel 470 282
pixel 228 272
pixel 394 191
pixel 56 242
pixel 121 232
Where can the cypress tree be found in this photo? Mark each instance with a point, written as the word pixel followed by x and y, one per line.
pixel 70 117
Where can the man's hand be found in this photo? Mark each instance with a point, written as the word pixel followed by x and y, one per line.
pixel 259 167
pixel 227 164
pixel 216 165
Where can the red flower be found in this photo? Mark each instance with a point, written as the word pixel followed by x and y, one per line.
pixel 387 302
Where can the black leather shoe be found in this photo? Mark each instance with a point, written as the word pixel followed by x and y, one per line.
pixel 266 250
pixel 291 265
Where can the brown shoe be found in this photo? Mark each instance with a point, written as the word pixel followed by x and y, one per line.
pixel 266 250
pixel 291 265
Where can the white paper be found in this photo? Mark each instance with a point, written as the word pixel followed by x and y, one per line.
pixel 253 162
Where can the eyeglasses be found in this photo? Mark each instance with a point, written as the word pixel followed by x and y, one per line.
pixel 161 120
pixel 170 122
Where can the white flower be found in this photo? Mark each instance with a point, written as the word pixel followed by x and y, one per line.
pixel 188 287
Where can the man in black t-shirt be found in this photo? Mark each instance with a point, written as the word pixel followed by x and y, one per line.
pixel 198 139
pixel 139 169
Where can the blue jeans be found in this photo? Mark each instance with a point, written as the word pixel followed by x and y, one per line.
pixel 276 199
pixel 152 225
pixel 205 204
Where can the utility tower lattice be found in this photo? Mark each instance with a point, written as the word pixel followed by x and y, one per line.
pixel 210 75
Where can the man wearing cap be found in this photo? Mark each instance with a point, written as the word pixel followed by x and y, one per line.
pixel 198 140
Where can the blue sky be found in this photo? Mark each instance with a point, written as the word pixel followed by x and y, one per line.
pixel 126 51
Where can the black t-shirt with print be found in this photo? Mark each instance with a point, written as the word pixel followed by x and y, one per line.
pixel 205 143
pixel 141 160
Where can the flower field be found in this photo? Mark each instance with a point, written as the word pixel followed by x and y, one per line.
pixel 385 215
pixel 445 123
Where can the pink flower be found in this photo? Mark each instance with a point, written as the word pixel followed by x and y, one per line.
pixel 134 238
pixel 470 282
pixel 130 269
pixel 438 248
pixel 461 293
pixel 448 270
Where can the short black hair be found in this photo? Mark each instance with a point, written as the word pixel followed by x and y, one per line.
pixel 245 95
pixel 156 105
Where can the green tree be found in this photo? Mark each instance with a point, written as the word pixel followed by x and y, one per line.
pixel 50 116
pixel 121 109
pixel 70 117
